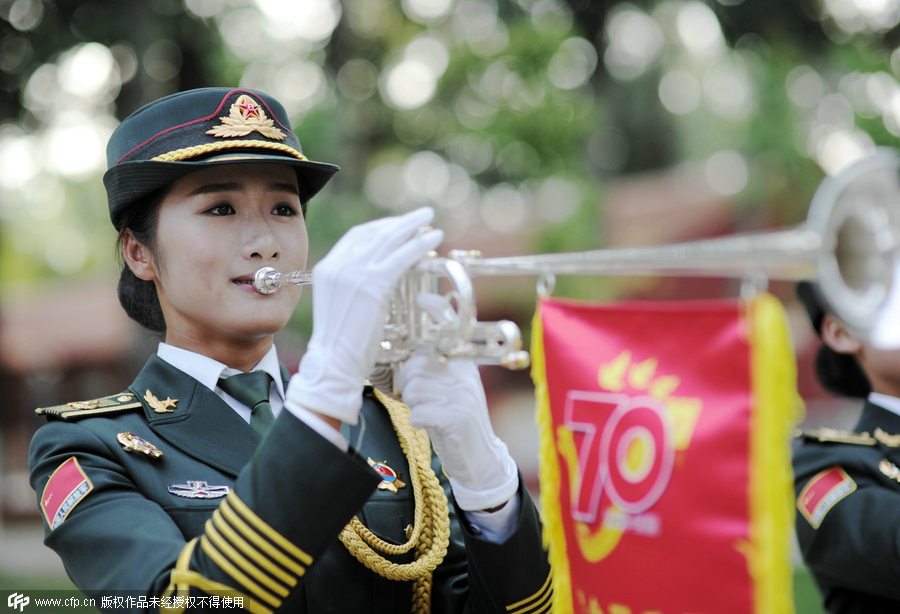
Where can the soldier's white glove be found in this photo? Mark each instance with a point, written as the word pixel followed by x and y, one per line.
pixel 350 288
pixel 448 401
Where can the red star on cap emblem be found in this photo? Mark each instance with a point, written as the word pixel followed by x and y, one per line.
pixel 248 107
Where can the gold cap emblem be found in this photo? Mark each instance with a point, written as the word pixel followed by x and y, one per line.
pixel 246 116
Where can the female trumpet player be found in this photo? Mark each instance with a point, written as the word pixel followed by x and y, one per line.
pixel 218 476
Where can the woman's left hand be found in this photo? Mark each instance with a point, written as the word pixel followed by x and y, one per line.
pixel 448 401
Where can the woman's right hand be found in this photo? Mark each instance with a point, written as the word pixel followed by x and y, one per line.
pixel 350 288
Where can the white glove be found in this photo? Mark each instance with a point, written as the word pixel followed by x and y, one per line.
pixel 447 400
pixel 350 288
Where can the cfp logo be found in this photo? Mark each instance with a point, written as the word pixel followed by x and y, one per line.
pixel 17 601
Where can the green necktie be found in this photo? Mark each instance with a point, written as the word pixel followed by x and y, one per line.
pixel 252 389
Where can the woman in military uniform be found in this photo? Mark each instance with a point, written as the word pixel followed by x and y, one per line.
pixel 219 477
pixel 848 483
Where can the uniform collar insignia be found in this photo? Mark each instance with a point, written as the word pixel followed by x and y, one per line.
pixel 891 441
pixel 198 489
pixel 889 469
pixel 246 116
pixel 133 443
pixel 160 407
pixel 390 479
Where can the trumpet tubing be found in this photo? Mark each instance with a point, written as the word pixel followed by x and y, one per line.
pixel 849 244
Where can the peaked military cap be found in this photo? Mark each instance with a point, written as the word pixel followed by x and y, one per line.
pixel 185 132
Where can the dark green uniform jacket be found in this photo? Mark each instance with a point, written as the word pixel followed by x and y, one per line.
pixel 849 488
pixel 273 537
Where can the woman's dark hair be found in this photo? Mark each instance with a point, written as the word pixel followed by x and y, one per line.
pixel 841 374
pixel 137 296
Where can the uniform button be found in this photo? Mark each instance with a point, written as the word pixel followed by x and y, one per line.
pixel 476 530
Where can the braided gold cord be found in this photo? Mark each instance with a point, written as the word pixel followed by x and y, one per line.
pixel 199 150
pixel 411 447
pixel 431 534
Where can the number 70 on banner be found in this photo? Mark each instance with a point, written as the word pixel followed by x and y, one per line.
pixel 625 447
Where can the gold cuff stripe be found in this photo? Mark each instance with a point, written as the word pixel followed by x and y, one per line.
pixel 181 565
pixel 232 536
pixel 262 545
pixel 530 602
pixel 183 578
pixel 273 535
pixel 226 566
pixel 199 150
pixel 238 559
pixel 192 578
pixel 540 606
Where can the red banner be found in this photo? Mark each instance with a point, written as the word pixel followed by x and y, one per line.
pixel 650 481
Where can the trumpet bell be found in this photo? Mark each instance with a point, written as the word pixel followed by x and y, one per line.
pixel 857 215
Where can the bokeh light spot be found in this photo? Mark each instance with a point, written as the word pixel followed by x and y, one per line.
pixel 557 200
pixel 726 172
pixel 699 30
pixel 680 92
pixel 573 64
pixel 805 87
pixel 87 70
pixel 26 15
pixel 18 161
pixel 357 79
pixel 729 92
pixel 841 148
pixel 204 8
pixel 471 152
pixel 635 41
pixel 426 175
pixel 504 208
pixel 162 60
pixel 66 250
pixel 76 146
pixel 408 84
pixel 425 11
pixel 384 186
pixel 313 20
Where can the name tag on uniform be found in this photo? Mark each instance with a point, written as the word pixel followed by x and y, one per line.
pixel 65 489
pixel 822 493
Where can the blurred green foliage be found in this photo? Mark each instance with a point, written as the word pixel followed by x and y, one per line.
pixel 594 132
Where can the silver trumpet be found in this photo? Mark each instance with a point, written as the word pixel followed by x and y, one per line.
pixel 849 244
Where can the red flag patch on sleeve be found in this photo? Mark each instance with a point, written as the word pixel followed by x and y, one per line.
pixel 65 489
pixel 822 493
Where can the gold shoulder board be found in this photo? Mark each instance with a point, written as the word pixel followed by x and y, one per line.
pixel 113 404
pixel 837 436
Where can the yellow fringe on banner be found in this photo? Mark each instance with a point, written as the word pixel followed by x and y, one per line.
pixel 549 473
pixel 777 407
